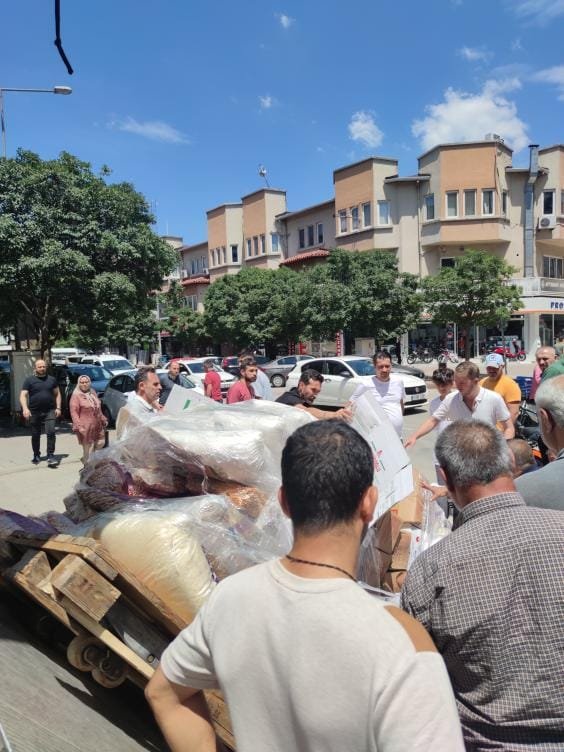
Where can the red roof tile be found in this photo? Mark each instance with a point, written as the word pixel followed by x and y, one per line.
pixel 195 281
pixel 319 253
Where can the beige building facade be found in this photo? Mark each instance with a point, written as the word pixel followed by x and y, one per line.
pixel 464 195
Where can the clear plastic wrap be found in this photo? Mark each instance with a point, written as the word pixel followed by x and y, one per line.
pixel 436 524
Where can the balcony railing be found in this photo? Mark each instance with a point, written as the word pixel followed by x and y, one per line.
pixel 531 285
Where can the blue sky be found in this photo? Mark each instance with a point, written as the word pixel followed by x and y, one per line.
pixel 186 99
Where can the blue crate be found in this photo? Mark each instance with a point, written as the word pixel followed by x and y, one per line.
pixel 525 384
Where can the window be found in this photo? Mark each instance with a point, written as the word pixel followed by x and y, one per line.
pixel 553 267
pixel 262 244
pixel 383 212
pixel 430 206
pixel 366 215
pixel 301 234
pixel 469 203
pixel 234 254
pixel 191 301
pixel 504 203
pixel 342 220
pixel 561 202
pixel 224 255
pixel 310 235
pixel 488 203
pixel 255 245
pixel 447 263
pixel 192 267
pixel 248 248
pixel 320 232
pixel 212 254
pixel 355 218
pixel 275 242
pixel 204 263
pixel 452 204
pixel 548 202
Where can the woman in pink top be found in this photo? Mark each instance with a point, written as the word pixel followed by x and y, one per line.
pixel 88 421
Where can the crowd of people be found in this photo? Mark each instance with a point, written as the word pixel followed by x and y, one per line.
pixel 474 657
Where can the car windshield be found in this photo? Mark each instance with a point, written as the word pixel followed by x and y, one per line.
pixel 118 365
pixel 186 382
pixel 363 367
pixel 94 373
pixel 196 367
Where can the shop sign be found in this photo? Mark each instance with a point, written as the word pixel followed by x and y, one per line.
pixel 557 305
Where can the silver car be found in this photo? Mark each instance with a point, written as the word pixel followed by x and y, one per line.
pixel 277 370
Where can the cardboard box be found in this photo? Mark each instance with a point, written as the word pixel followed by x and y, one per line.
pixel 373 566
pixel 410 509
pixel 387 531
pixel 393 581
pixel 407 548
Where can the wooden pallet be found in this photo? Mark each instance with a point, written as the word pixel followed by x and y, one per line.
pixel 121 628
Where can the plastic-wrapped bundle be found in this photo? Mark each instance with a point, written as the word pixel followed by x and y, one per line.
pixel 157 545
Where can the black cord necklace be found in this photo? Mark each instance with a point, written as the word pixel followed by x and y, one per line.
pixel 319 564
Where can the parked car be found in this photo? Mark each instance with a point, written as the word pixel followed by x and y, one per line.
pixel 231 363
pixel 121 387
pixel 342 375
pixel 278 369
pixel 98 376
pixel 114 363
pixel 194 368
pixel 408 371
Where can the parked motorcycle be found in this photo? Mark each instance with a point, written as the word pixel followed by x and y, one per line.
pixel 510 354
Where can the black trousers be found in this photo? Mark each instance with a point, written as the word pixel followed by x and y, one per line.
pixel 37 418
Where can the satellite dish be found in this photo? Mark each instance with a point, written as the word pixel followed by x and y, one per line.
pixel 262 172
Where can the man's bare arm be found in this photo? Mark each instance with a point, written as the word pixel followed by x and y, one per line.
pixel 423 430
pixel 182 715
pixel 24 395
pixel 508 428
pixel 513 408
pixel 344 413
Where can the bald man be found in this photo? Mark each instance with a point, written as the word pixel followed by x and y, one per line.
pixel 40 400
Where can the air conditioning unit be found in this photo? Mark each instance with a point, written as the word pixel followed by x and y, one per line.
pixel 548 222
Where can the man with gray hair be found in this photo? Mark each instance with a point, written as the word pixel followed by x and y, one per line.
pixel 545 488
pixel 491 596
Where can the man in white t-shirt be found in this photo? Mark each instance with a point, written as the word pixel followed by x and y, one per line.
pixel 471 401
pixel 142 403
pixel 307 660
pixel 388 388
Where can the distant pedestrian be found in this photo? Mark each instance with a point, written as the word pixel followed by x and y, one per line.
pixel 387 388
pixel 143 404
pixel 169 380
pixel 212 381
pixel 559 345
pixel 443 381
pixel 545 356
pixel 88 421
pixel 40 399
pixel 262 387
pixel 503 385
pixel 243 390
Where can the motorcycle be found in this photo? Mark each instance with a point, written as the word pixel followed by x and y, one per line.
pixel 527 428
pixel 510 354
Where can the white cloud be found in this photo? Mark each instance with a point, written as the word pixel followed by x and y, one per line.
pixel 363 128
pixel 468 117
pixel 267 102
pixel 475 54
pixel 156 130
pixel 537 11
pixel 554 76
pixel 285 21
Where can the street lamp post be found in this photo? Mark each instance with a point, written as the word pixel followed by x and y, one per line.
pixel 65 90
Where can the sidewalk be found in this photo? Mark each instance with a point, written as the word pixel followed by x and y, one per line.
pixel 33 489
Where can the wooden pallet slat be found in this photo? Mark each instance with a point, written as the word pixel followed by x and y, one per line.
pixel 83 585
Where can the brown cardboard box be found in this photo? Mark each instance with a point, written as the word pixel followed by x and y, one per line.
pixel 387 531
pixel 374 566
pixel 402 551
pixel 394 580
pixel 410 509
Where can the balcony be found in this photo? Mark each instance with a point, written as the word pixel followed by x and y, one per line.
pixel 540 285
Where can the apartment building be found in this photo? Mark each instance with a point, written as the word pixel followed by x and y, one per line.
pixel 464 195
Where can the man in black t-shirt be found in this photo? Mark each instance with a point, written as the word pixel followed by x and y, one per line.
pixel 303 397
pixel 40 399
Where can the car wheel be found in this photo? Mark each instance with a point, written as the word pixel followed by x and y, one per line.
pixel 278 380
pixel 107 415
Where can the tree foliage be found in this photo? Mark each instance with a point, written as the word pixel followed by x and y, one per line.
pixel 184 324
pixel 76 251
pixel 475 292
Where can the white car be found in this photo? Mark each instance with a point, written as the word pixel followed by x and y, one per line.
pixel 113 363
pixel 342 375
pixel 194 368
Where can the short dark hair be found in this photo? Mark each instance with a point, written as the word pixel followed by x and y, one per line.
pixel 443 376
pixel 382 355
pixel 245 362
pixel 142 375
pixel 326 469
pixel 310 374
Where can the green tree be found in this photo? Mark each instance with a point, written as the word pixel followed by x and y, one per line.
pixel 75 250
pixel 475 292
pixel 185 325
